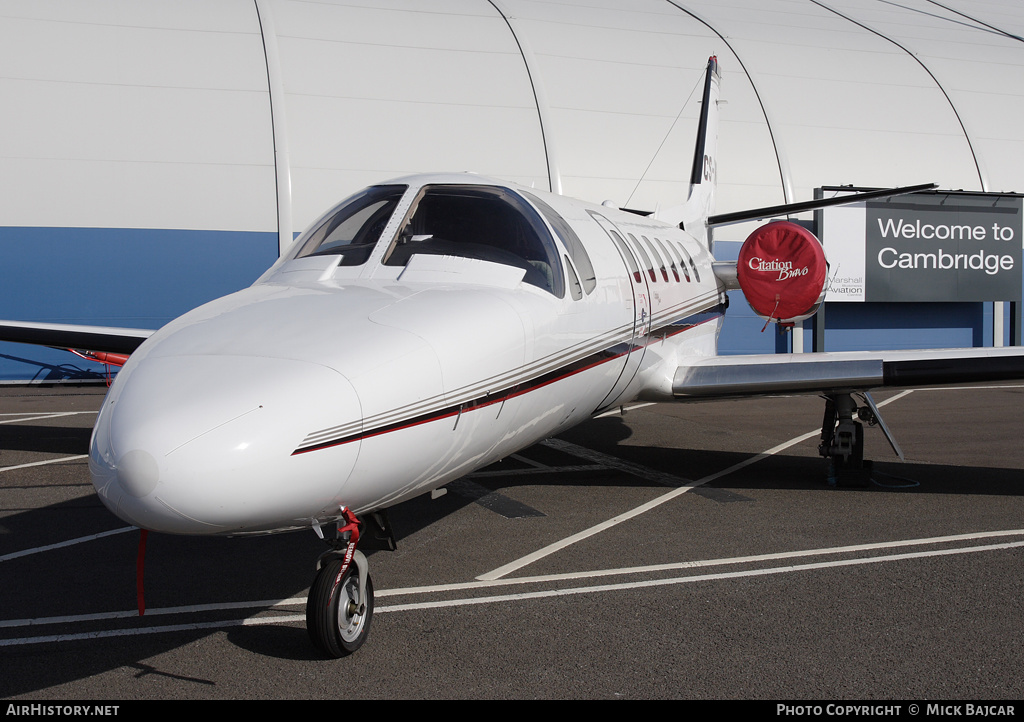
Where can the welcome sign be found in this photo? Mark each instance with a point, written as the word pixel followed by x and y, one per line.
pixel 925 247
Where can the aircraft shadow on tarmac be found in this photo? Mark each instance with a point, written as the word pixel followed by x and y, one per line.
pixel 789 470
pixel 53 373
pixel 99 575
pixel 45 439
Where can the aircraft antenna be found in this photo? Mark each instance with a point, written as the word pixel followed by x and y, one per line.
pixel 665 139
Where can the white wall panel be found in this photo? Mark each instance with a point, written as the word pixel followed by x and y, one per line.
pixel 375 92
pixel 156 114
pixel 979 68
pixel 1004 15
pixel 617 77
pixel 847 106
pixel 129 115
pixel 65 192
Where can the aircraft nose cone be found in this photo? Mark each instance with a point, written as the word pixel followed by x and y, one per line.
pixel 204 444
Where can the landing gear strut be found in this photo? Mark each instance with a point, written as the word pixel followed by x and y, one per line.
pixel 339 608
pixel 842 437
pixel 842 442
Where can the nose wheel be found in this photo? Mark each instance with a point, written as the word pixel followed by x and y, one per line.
pixel 339 608
pixel 338 614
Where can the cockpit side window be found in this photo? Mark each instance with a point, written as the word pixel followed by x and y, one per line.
pixel 571 241
pixel 483 222
pixel 354 227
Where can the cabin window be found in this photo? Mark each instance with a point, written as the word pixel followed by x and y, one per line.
pixel 658 260
pixel 354 226
pixel 644 257
pixel 693 265
pixel 671 259
pixel 679 253
pixel 483 222
pixel 627 256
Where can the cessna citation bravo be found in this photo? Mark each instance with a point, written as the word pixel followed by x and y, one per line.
pixel 434 324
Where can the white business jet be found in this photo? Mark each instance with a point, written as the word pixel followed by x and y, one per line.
pixel 434 324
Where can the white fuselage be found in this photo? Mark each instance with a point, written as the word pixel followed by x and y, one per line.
pixel 326 385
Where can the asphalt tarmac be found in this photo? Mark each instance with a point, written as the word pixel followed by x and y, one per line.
pixel 587 567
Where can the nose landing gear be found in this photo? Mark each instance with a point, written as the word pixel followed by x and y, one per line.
pixel 339 608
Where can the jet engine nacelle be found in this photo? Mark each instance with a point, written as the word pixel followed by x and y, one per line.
pixel 782 271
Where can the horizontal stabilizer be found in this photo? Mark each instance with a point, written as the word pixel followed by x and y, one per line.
pixel 67 336
pixel 760 214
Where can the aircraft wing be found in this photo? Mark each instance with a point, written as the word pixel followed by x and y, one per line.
pixel 105 339
pixel 843 372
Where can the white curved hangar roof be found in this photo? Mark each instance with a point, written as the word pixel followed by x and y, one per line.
pixel 204 114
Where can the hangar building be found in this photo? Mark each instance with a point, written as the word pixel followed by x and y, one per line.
pixel 160 154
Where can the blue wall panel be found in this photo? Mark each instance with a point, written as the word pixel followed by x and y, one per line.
pixel 744 331
pixel 872 326
pixel 137 278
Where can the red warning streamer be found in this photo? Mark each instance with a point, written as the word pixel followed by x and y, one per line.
pixel 139 570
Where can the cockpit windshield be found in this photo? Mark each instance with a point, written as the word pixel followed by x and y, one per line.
pixel 483 222
pixel 354 227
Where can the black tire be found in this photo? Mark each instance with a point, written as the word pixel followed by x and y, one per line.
pixel 334 627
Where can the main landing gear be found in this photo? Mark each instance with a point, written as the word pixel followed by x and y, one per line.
pixel 339 608
pixel 842 437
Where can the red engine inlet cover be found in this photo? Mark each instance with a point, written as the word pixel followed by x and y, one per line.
pixel 782 271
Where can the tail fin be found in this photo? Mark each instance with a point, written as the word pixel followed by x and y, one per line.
pixel 693 214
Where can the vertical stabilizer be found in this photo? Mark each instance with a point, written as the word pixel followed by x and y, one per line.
pixel 704 173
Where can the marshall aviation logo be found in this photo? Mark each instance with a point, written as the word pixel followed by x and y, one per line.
pixel 783 268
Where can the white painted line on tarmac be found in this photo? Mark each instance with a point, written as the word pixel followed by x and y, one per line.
pixel 43 463
pixel 53 415
pixel 889 400
pixel 696 564
pixel 568 591
pixel 157 612
pixel 698 578
pixel 139 631
pixel 68 543
pixel 654 503
pixel 632 513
